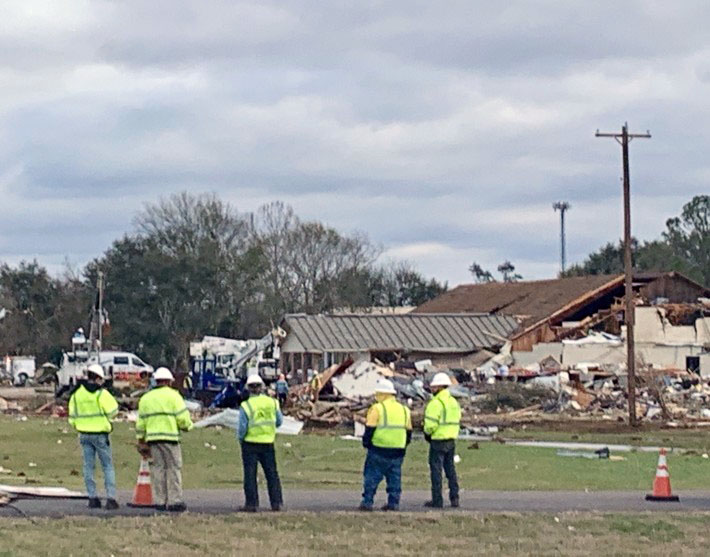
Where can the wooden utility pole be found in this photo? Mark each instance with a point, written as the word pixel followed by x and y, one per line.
pixel 623 139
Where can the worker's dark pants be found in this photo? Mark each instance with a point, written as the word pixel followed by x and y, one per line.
pixel 441 455
pixel 264 454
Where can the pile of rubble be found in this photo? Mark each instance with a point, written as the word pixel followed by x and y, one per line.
pixel 346 393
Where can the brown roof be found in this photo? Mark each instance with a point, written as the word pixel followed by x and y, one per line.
pixel 531 301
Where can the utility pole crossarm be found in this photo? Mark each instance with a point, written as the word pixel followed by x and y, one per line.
pixel 646 135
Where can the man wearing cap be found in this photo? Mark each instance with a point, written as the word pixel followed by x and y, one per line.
pixel 259 416
pixel 91 409
pixel 442 419
pixel 162 415
pixel 388 431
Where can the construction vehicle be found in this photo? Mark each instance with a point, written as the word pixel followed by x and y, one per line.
pixel 219 367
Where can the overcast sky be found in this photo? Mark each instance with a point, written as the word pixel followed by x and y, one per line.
pixel 444 130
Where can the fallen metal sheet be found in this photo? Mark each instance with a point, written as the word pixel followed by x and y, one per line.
pixel 226 418
pixel 588 446
pixel 54 492
pixel 230 418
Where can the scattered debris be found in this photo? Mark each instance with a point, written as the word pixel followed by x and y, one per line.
pixel 599 453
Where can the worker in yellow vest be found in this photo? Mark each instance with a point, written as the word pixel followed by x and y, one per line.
pixel 91 409
pixel 259 416
pixel 442 419
pixel 162 415
pixel 388 431
pixel 315 385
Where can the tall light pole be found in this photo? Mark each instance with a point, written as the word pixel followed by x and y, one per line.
pixel 562 207
pixel 624 138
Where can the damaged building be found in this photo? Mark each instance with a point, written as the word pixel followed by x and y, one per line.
pixel 462 340
pixel 578 321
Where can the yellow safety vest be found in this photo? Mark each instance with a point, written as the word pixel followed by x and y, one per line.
pixel 162 414
pixel 391 430
pixel 261 412
pixel 442 417
pixel 92 412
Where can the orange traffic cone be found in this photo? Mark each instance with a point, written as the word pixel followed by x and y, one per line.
pixel 143 493
pixel 662 482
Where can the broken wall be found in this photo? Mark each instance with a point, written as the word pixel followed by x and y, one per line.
pixel 652 326
pixel 539 352
pixel 447 361
pixel 705 364
pixel 599 353
pixel 663 356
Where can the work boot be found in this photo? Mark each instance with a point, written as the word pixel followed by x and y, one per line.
pixel 247 509
pixel 434 505
pixel 111 504
pixel 177 508
pixel 365 508
pixel 161 508
pixel 389 507
pixel 277 507
pixel 94 503
pixel 455 503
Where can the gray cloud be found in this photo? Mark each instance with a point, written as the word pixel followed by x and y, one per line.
pixel 444 131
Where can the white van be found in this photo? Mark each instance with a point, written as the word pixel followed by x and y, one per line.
pixel 125 368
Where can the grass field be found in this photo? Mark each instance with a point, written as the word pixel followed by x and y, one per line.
pixel 327 462
pixel 698 439
pixel 297 534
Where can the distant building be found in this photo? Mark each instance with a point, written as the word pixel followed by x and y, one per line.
pixel 557 315
pixel 460 340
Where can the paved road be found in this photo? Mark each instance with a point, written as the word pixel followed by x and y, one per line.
pixel 224 501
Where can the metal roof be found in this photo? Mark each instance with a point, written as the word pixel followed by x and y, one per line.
pixel 436 333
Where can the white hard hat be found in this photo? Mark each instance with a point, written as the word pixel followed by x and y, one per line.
pixel 440 380
pixel 163 374
pixel 254 380
pixel 96 369
pixel 385 386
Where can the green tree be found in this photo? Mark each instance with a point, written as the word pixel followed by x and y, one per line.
pixel 684 247
pixel 480 274
pixel 189 271
pixel 398 283
pixel 688 237
pixel 41 311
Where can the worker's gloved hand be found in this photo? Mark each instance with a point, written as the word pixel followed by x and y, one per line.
pixel 427 437
pixel 143 449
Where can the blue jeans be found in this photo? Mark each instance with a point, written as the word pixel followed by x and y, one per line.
pixel 93 444
pixel 376 468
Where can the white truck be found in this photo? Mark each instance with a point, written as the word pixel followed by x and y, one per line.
pixel 20 369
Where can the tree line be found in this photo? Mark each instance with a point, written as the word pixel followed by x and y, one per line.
pixel 684 246
pixel 194 265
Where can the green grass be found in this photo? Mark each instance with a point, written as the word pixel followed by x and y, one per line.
pixel 698 439
pixel 327 462
pixel 296 534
